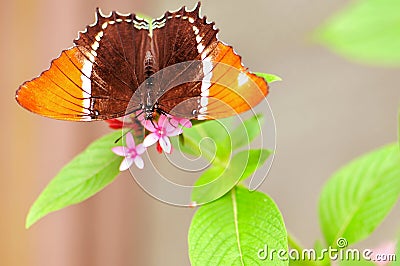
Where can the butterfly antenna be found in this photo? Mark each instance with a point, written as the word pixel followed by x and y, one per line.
pixel 152 122
pixel 138 114
pixel 118 139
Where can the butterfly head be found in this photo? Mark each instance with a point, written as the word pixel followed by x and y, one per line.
pixel 149 113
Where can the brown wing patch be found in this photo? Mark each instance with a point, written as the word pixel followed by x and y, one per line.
pixel 221 87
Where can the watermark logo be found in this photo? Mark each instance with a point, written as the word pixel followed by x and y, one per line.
pixel 171 178
pixel 338 253
pixel 342 242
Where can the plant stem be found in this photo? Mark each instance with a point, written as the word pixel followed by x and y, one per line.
pixel 294 244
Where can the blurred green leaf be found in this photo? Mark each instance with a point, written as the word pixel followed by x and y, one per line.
pixel 84 176
pixel 268 77
pixel 367 31
pixel 361 262
pixel 397 261
pixel 235 229
pixel 360 195
pixel 219 179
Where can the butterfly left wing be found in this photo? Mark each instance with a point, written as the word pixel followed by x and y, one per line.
pixel 95 79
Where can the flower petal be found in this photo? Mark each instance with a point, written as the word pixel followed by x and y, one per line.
pixel 150 139
pixel 165 144
pixel 149 125
pixel 175 132
pixel 174 121
pixel 139 162
pixel 130 142
pixel 125 164
pixel 120 150
pixel 162 121
pixel 185 122
pixel 169 126
pixel 140 149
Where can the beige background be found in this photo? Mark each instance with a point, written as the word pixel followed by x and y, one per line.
pixel 328 110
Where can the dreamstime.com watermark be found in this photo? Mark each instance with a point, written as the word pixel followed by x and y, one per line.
pixel 339 253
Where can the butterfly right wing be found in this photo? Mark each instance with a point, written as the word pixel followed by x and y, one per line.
pixel 219 85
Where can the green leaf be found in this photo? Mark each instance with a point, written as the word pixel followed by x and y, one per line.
pixel 145 17
pixel 305 263
pixel 85 175
pixel 361 262
pixel 367 31
pixel 254 158
pixel 397 261
pixel 398 129
pixel 207 139
pixel 268 77
pixel 246 132
pixel 236 229
pixel 219 179
pixel 213 184
pixel 221 138
pixel 360 195
pixel 297 263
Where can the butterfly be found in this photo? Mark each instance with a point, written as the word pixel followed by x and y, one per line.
pixel 114 67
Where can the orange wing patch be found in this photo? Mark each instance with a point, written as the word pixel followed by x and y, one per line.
pixel 228 87
pixel 63 91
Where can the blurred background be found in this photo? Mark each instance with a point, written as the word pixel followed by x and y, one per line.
pixel 328 110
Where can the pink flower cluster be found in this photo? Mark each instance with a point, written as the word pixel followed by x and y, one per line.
pixel 166 126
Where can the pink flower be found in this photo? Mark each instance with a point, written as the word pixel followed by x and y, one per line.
pixel 131 153
pixel 180 121
pixel 161 132
pixel 383 251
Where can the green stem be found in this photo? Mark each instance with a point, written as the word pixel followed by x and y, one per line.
pixel 294 244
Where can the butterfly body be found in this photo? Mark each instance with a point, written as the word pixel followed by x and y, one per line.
pixel 120 65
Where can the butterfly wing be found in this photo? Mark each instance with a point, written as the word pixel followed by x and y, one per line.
pixel 221 85
pixel 95 79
